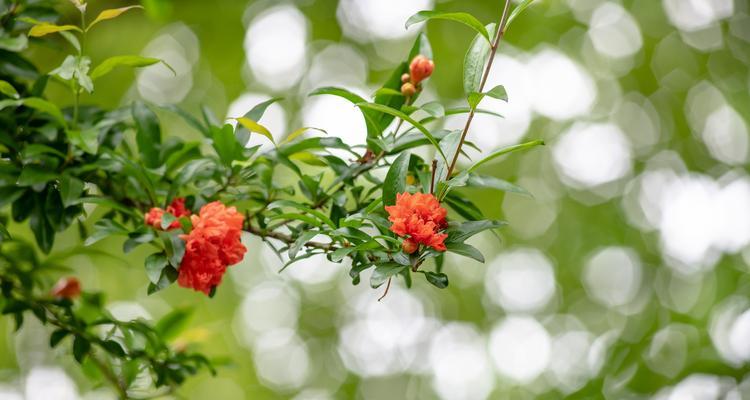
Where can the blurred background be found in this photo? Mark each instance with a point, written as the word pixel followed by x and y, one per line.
pixel 625 276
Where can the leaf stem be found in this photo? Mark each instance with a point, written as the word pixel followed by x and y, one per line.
pixel 493 49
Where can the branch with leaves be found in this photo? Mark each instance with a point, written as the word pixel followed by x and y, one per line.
pixel 190 201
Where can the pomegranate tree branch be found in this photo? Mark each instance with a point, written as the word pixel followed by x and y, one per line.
pixel 493 49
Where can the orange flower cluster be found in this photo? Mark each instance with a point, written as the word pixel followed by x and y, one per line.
pixel 176 208
pixel 211 246
pixel 419 218
pixel 66 288
pixel 420 69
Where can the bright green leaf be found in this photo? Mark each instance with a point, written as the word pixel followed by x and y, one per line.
pixel 475 61
pixel 253 126
pixel 123 61
pixel 395 179
pixel 8 89
pixel 464 18
pixel 506 150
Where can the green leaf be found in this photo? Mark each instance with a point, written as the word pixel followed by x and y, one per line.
pixel 434 108
pixel 437 279
pixel 170 325
pixel 148 134
pixel 255 114
pixel 373 129
pixel 226 144
pixel 253 126
pixel 8 89
pixel 317 214
pixel 70 189
pixel 459 232
pixel 33 175
pixel 113 348
pixel 465 250
pixel 75 68
pixel 14 44
pixel 395 179
pixel 497 92
pixel 81 347
pixel 106 203
pixel 45 28
pixel 4 234
pixel 384 91
pixel 109 14
pixel 105 228
pixel 449 145
pixel 503 151
pixel 475 61
pixel 382 273
pixel 37 104
pixel 490 182
pixel 57 336
pixel 464 18
pixel 32 150
pixel 123 61
pixel 517 12
pixel 155 263
pixel 300 242
pixel 300 131
pixel 414 123
pixel 168 275
pixel 86 140
pixel 72 39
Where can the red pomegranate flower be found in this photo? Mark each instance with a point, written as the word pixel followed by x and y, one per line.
pixel 176 208
pixel 66 288
pixel 420 69
pixel 212 246
pixel 420 218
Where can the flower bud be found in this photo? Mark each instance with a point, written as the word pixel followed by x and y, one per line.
pixel 409 246
pixel 408 89
pixel 420 69
pixel 66 288
pixel 405 78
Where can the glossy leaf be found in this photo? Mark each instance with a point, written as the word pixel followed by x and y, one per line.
pixel 395 179
pixel 464 18
pixel 124 61
pixel 517 12
pixel 437 279
pixel 155 263
pixel 253 126
pixel 475 61
pixel 8 89
pixel 148 134
pixel 506 150
pixel 382 273
pixel 465 250
pixel 45 28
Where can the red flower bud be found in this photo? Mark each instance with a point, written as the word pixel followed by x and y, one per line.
pixel 67 288
pixel 409 246
pixel 408 89
pixel 420 69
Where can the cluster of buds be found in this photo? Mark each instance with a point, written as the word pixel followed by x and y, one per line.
pixel 420 69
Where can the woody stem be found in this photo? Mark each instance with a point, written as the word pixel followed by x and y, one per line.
pixel 493 49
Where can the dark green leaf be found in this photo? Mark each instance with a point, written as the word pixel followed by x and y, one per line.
pixel 113 348
pixel 382 272
pixel 81 347
pixel 70 189
pixel 155 263
pixel 395 179
pixel 437 279
pixel 33 175
pixel 459 232
pixel 57 336
pixel 475 61
pixel 490 182
pixel 465 250
pixel 148 134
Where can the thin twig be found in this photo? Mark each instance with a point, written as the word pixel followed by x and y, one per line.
pixel 387 286
pixel 432 180
pixel 495 43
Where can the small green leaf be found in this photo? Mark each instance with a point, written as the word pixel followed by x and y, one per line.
pixel 123 61
pixel 437 279
pixel 464 18
pixel 300 131
pixel 490 182
pixel 459 232
pixel 86 140
pixel 226 145
pixel 81 347
pixel 395 179
pixel 300 242
pixel 475 61
pixel 57 336
pixel 434 108
pixel 8 89
pixel 503 151
pixel 33 175
pixel 155 263
pixel 37 104
pixel 70 189
pixel 113 348
pixel 465 250
pixel 148 135
pixel 498 92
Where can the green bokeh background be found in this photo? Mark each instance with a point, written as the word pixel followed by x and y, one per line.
pixel 664 70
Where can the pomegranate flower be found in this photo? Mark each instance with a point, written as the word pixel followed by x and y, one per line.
pixel 420 69
pixel 66 288
pixel 211 246
pixel 419 218
pixel 176 208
